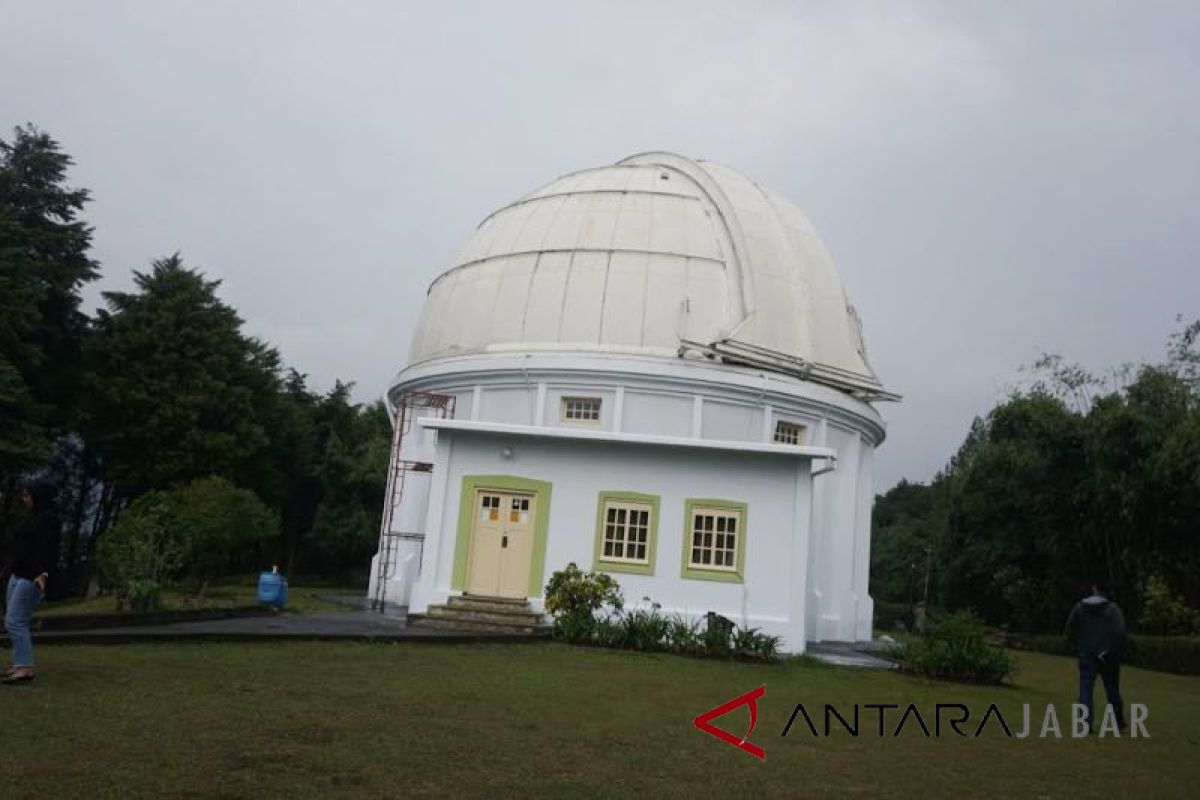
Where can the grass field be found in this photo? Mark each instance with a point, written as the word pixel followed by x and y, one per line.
pixel 410 720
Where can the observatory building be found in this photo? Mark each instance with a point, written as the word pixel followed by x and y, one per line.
pixel 649 369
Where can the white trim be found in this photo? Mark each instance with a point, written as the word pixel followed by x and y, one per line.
pixel 539 411
pixel 471 426
pixel 788 395
pixel 476 400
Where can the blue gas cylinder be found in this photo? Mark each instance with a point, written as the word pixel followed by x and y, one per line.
pixel 272 589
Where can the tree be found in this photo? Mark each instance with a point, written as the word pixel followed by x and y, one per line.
pixel 354 476
pixel 1062 484
pixel 175 389
pixel 905 528
pixel 44 263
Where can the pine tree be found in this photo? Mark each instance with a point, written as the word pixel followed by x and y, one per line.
pixel 44 262
pixel 174 389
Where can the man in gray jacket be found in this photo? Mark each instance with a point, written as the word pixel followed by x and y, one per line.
pixel 1096 627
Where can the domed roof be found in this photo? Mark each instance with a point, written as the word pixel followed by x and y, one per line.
pixel 656 255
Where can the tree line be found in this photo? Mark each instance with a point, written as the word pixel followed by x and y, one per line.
pixel 162 391
pixel 1073 479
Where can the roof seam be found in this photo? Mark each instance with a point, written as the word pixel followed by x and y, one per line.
pixel 576 192
pixel 606 250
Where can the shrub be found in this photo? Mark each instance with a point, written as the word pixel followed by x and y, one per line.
pixel 716 639
pixel 644 630
pixel 144 545
pixel 1056 644
pixel 204 529
pixel 682 635
pixel 574 629
pixel 574 593
pixel 1164 612
pixel 574 597
pixel 955 648
pixel 143 595
pixel 1178 654
pixel 608 632
pixel 753 644
pixel 222 525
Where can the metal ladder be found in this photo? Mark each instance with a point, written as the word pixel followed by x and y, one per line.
pixel 410 403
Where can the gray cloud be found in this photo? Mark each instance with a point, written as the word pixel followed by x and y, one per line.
pixel 990 181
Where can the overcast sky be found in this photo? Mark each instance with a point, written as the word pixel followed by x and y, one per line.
pixel 992 180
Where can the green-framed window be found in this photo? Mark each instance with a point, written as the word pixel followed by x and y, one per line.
pixel 626 532
pixel 714 540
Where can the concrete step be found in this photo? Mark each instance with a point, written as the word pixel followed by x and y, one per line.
pixel 481 598
pixel 518 618
pixel 494 606
pixel 451 624
pixel 516 601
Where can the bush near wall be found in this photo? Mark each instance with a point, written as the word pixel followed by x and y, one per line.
pixel 589 609
pixel 1177 654
pixel 956 647
pixel 650 631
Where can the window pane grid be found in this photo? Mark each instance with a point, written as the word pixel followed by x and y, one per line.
pixel 626 532
pixel 789 433
pixel 581 409
pixel 714 542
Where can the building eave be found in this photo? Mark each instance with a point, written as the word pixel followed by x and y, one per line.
pixel 808 452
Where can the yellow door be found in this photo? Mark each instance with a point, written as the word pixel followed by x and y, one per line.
pixel 501 544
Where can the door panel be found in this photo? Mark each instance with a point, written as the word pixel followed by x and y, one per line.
pixel 516 547
pixel 484 573
pixel 501 544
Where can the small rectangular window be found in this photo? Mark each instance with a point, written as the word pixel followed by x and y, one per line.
pixel 520 510
pixel 580 409
pixel 627 531
pixel 789 433
pixel 714 539
pixel 489 507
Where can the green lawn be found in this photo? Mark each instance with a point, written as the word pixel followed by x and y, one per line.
pixel 228 595
pixel 402 720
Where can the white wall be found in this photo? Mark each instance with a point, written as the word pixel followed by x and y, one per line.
pixel 834 528
pixel 513 404
pixel 731 421
pixel 690 399
pixel 580 470
pixel 657 413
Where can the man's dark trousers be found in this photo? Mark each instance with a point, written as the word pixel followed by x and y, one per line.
pixel 1109 670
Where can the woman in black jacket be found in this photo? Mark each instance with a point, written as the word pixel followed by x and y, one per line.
pixel 31 557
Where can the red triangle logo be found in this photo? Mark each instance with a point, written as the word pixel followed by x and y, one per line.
pixel 750 698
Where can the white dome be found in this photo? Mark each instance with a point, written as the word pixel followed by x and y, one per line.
pixel 656 255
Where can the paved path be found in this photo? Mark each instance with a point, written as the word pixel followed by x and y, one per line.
pixel 844 654
pixel 360 624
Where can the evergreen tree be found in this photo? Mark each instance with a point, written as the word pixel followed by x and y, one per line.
pixel 44 262
pixel 1060 485
pixel 175 390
